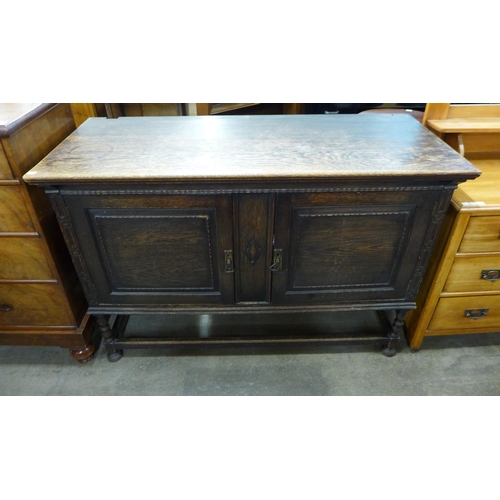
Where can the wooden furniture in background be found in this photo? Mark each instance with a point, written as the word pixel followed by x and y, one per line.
pixel 471 129
pixel 461 290
pixel 249 108
pixel 115 110
pixel 41 300
pixel 254 214
pixel 81 111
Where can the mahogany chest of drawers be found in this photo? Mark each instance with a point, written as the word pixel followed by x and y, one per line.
pixel 41 300
pixel 250 214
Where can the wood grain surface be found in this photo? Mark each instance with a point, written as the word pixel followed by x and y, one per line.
pixel 250 147
pixel 464 125
pixel 14 116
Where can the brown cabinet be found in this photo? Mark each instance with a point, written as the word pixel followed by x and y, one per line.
pixel 41 300
pixel 232 215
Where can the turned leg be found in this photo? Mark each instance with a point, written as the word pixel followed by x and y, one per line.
pixel 107 337
pixel 395 333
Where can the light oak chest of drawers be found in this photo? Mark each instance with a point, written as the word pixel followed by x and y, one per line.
pixel 460 293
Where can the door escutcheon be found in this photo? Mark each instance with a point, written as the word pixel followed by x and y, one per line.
pixel 228 260
pixel 277 260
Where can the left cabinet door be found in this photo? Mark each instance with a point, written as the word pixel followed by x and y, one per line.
pixel 154 249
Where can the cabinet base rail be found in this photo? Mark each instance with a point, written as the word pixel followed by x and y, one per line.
pixel 391 324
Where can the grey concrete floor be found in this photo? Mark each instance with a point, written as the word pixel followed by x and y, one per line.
pixel 461 365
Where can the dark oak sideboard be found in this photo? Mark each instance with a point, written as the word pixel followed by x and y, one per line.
pixel 250 214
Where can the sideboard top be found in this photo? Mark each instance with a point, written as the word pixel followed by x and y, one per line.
pixel 250 147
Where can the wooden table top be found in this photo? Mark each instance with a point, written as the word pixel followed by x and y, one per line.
pixel 255 147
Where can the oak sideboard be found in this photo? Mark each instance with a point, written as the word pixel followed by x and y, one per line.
pixel 251 214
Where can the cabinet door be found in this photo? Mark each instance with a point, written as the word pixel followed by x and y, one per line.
pixel 155 249
pixel 352 247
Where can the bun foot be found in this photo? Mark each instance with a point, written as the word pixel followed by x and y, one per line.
pixel 83 355
pixel 115 356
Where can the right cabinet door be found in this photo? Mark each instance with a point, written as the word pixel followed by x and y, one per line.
pixel 353 247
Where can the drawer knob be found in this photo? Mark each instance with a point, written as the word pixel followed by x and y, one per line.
pixel 5 308
pixel 476 313
pixel 490 274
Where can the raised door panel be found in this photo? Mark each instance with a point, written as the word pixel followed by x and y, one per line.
pixel 154 250
pixel 350 247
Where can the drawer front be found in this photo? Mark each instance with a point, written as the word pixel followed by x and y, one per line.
pixel 14 216
pixel 32 305
pixel 23 259
pixel 482 235
pixel 5 172
pixel 467 313
pixel 474 273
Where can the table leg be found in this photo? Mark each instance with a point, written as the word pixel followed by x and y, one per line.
pixel 395 333
pixel 108 339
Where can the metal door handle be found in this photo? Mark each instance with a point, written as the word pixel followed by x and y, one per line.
pixel 490 274
pixel 5 308
pixel 476 313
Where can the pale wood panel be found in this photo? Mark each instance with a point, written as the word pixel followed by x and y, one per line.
pixel 82 111
pixel 5 171
pixel 465 274
pixel 203 109
pixel 435 111
pixel 490 142
pixel 465 125
pixel 34 304
pixel 23 259
pixel 14 216
pixel 482 235
pixel 450 313
pixel 485 189
pixel 163 109
pixel 473 110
